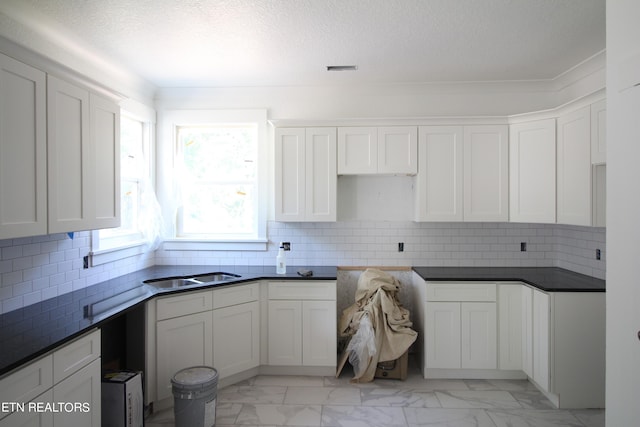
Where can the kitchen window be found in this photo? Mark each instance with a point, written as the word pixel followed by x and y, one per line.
pixel 215 191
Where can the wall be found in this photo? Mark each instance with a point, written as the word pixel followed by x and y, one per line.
pixel 364 243
pixel 623 212
pixel 33 269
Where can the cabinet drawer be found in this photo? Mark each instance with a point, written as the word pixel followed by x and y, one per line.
pixel 188 303
pixel 75 356
pixel 28 382
pixel 234 295
pixel 298 290
pixel 455 291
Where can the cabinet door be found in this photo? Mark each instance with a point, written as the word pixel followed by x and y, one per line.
pixel 599 198
pixel 105 143
pixel 527 331
pixel 486 173
pixel 285 333
pixel 574 168
pixel 23 150
pixel 599 132
pixel 442 335
pixel 82 387
pixel 532 172
pixel 398 150
pixel 439 182
pixel 321 191
pixel 290 173
pixel 31 418
pixel 182 342
pixel 319 340
pixel 236 338
pixel 510 326
pixel 69 156
pixel 357 150
pixel 479 335
pixel 541 336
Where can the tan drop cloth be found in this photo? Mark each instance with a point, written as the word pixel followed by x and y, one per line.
pixel 377 295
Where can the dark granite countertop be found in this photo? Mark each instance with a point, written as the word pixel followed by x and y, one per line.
pixel 34 330
pixel 37 329
pixel 549 279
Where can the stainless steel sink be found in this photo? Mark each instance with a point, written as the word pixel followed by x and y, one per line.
pixel 200 279
pixel 214 277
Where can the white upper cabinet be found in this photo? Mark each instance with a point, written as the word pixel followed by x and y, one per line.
pixel 305 174
pixel 68 156
pixel 439 182
pixel 599 132
pixel 83 137
pixel 357 150
pixel 486 170
pixel 105 139
pixel 23 150
pixel 574 168
pixel 377 150
pixel 397 150
pixel 532 171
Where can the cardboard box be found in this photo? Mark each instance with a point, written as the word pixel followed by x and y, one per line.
pixel 393 369
pixel 122 399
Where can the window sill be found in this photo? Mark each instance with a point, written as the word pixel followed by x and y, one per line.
pixel 104 256
pixel 214 245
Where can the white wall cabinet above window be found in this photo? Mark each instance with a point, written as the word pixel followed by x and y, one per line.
pixel 83 137
pixel 391 150
pixel 305 174
pixel 532 171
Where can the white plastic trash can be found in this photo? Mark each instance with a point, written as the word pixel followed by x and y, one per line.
pixel 194 394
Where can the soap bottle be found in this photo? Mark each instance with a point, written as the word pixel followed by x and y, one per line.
pixel 281 261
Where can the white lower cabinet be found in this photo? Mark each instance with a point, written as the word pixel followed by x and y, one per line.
pixel 510 326
pixel 236 338
pixel 460 326
pixel 302 323
pixel 218 328
pixel 83 387
pixel 564 346
pixel 182 342
pixel 62 389
pixel 540 336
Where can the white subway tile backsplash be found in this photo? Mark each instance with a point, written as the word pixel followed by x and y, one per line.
pixel 38 268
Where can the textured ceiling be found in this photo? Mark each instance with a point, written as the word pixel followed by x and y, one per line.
pixel 290 42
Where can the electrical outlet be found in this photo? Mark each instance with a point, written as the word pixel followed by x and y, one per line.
pixel 401 247
pixel 286 246
pixel 598 254
pixel 523 246
pixel 85 261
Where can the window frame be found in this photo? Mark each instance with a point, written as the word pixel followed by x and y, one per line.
pixel 170 121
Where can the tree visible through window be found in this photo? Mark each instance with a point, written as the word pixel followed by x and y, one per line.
pixel 217 175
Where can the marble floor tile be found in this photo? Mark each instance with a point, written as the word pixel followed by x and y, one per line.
pixel 477 399
pixel 289 380
pixel 322 396
pixel 279 415
pixel 447 417
pixel 252 394
pixel 505 385
pixel 361 416
pixel 590 417
pixel 533 418
pixel 399 397
pixel 532 399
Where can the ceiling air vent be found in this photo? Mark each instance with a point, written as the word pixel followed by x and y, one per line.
pixel 342 67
